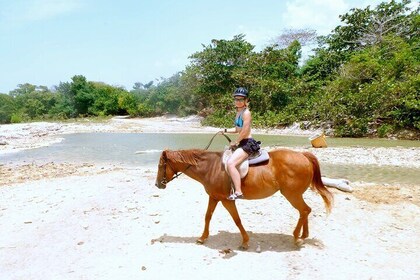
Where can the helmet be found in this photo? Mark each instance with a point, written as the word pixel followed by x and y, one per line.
pixel 241 91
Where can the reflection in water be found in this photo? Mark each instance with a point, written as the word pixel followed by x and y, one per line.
pixel 144 149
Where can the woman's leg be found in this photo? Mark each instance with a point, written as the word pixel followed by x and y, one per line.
pixel 235 160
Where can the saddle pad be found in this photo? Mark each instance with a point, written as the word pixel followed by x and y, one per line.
pixel 261 157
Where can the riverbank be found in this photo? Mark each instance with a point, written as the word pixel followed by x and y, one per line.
pixel 92 221
pixel 17 137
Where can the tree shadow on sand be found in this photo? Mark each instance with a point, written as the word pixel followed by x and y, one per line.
pixel 225 241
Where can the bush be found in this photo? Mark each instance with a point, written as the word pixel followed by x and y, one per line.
pixel 16 118
pixel 7 107
pixel 385 130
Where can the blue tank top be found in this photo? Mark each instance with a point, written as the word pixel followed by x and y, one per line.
pixel 239 122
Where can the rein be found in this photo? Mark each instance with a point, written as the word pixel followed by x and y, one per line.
pixel 177 174
pixel 211 140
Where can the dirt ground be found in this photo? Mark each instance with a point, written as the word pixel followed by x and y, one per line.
pixel 89 221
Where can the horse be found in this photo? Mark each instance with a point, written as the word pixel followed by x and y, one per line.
pixel 287 171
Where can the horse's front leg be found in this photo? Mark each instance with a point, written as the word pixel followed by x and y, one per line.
pixel 210 209
pixel 233 211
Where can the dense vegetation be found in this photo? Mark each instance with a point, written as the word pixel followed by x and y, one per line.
pixel 362 79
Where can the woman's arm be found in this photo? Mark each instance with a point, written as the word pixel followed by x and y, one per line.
pixel 231 130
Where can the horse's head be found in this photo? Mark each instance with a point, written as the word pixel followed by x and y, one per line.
pixel 165 171
pixel 174 163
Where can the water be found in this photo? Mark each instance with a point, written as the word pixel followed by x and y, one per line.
pixel 372 173
pixel 130 148
pixel 134 149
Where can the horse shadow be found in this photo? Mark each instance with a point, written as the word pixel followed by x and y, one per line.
pixel 224 241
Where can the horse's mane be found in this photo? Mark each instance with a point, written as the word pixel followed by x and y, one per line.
pixel 184 156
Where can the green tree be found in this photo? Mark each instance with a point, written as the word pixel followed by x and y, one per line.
pixel 82 92
pixel 65 106
pixel 379 86
pixel 7 108
pixel 215 65
pixel 362 28
pixel 33 101
pixel 106 100
pixel 127 102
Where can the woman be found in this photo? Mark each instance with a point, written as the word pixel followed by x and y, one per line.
pixel 244 145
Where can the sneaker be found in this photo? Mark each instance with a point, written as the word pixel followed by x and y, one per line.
pixel 235 196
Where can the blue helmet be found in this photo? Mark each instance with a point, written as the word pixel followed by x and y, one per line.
pixel 241 91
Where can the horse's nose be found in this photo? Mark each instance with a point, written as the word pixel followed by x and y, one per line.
pixel 160 185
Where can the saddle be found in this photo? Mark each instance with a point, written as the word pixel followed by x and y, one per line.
pixel 259 157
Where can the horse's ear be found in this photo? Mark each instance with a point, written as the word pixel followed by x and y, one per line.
pixel 164 155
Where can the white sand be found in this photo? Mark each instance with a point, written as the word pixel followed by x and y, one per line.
pixel 104 222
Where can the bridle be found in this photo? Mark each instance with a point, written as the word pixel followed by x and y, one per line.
pixel 166 162
pixel 176 174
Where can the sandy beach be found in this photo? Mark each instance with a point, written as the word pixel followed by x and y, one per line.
pixel 93 221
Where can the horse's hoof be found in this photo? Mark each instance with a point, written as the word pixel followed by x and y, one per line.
pixel 199 242
pixel 299 242
pixel 244 247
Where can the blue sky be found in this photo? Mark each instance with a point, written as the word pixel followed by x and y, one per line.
pixel 45 42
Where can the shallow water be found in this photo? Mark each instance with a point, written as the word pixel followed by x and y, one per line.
pixel 144 149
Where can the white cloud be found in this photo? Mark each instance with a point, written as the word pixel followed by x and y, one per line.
pixel 36 10
pixel 45 9
pixel 320 15
pixel 257 36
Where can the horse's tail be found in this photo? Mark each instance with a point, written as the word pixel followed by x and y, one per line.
pixel 317 184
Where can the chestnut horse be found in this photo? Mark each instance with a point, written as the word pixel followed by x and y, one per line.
pixel 287 171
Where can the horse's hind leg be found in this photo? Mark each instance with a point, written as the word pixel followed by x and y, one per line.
pixel 210 209
pixel 302 224
pixel 233 211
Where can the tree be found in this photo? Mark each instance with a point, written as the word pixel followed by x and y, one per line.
pixel 127 102
pixel 378 89
pixel 268 73
pixel 33 101
pixel 361 28
pixel 303 36
pixel 105 100
pixel 7 107
pixel 215 65
pixel 367 27
pixel 82 93
pixel 65 106
pixel 139 86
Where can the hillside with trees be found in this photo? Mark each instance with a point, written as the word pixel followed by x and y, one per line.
pixel 363 79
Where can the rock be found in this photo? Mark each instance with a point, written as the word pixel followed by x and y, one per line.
pixel 340 184
pixel 258 250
